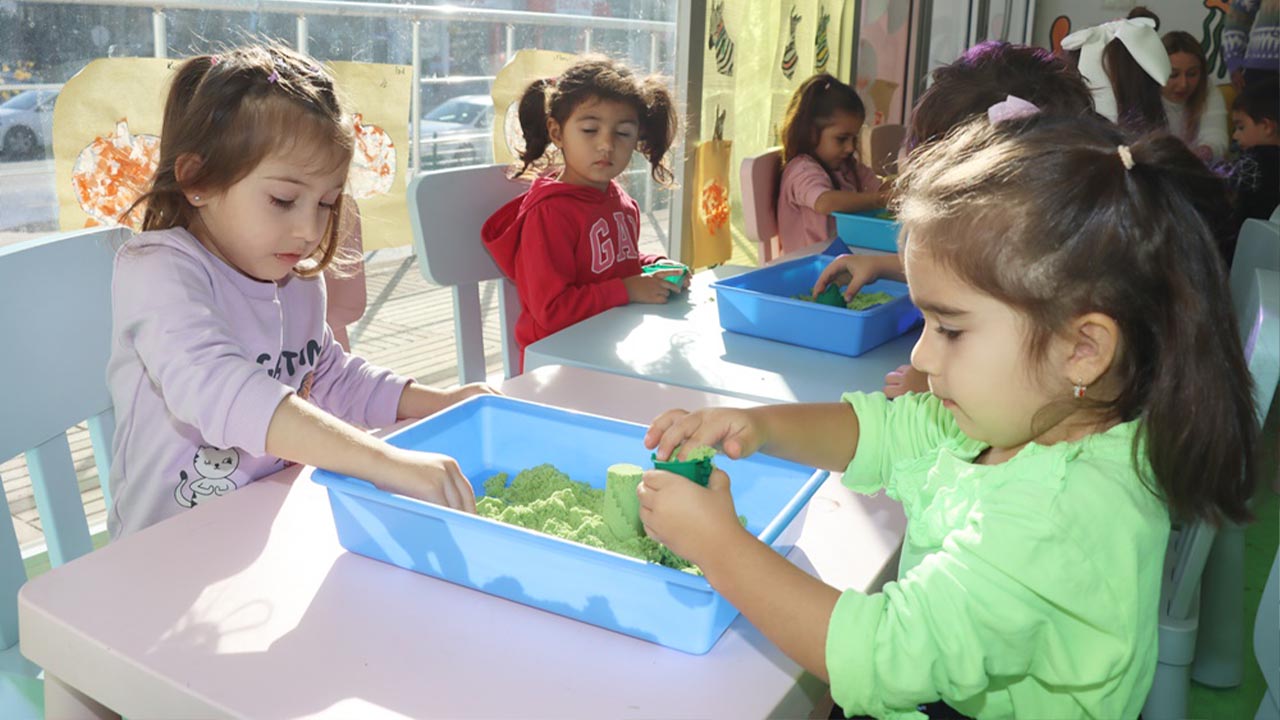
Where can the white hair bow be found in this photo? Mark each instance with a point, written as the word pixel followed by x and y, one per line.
pixel 1139 38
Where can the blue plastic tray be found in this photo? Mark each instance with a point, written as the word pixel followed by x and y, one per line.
pixel 864 229
pixel 759 303
pixel 492 434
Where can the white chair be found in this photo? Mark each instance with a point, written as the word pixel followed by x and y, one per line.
pixel 1219 653
pixel 446 210
pixel 760 176
pixel 1266 644
pixel 55 318
pixel 1188 561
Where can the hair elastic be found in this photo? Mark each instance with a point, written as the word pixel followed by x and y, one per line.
pixel 1011 108
pixel 1126 156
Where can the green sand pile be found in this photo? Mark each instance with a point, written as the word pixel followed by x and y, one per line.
pixel 548 501
pixel 861 301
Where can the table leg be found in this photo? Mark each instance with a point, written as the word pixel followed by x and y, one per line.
pixel 63 701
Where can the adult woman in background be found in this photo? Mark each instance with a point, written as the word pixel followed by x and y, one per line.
pixel 1195 109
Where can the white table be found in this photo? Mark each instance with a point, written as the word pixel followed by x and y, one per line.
pixel 248 607
pixel 682 343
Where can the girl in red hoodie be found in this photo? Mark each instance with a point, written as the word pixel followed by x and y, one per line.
pixel 569 244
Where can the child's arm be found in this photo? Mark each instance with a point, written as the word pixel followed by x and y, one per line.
pixel 303 433
pixel 547 268
pixel 822 435
pixel 418 401
pixel 850 201
pixel 364 394
pixel 787 605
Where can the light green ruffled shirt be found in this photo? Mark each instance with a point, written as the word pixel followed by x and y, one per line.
pixel 1028 589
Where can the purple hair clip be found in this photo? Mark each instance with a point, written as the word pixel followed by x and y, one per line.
pixel 1011 108
pixel 274 76
pixel 214 60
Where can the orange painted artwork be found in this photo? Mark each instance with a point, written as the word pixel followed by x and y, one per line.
pixel 112 172
pixel 714 205
pixel 373 165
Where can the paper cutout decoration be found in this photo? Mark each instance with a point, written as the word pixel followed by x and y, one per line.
pixel 112 172
pixel 718 40
pixel 107 122
pixel 373 164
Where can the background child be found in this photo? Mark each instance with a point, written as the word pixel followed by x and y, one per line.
pixel 569 244
pixel 222 367
pixel 821 173
pixel 985 76
pixel 1255 114
pixel 1071 330
pixel 1127 66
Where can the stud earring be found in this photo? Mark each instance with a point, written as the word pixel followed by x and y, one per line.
pixel 195 198
pixel 1078 389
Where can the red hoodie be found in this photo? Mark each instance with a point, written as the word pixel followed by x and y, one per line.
pixel 567 248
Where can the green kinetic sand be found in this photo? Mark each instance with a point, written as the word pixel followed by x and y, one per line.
pixel 548 501
pixel 861 301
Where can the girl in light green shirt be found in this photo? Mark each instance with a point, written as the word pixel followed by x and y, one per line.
pixel 1086 384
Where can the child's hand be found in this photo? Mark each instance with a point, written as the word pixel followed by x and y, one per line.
pixel 733 431
pixel 855 270
pixel 432 477
pixel 650 289
pixel 691 520
pixel 904 380
pixel 684 281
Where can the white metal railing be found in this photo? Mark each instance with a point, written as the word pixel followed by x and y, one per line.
pixel 415 15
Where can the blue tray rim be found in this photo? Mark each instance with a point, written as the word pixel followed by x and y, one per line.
pixel 335 482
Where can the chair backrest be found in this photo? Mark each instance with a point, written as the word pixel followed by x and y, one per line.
pixel 446 210
pixel 1258 320
pixel 760 176
pixel 883 142
pixel 55 318
pixel 1258 246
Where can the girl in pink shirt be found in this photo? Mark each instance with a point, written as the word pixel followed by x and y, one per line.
pixel 821 173
pixel 222 367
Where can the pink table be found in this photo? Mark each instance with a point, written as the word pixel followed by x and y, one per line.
pixel 248 607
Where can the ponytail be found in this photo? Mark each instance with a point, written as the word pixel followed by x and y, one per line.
pixel 532 112
pixel 659 123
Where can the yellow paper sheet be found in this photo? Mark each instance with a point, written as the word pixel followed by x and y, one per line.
pixel 106 130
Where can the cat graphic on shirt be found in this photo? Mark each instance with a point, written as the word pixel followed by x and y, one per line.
pixel 213 467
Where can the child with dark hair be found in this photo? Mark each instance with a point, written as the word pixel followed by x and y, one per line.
pixel 990 74
pixel 1088 385
pixel 1256 179
pixel 569 243
pixel 821 173
pixel 222 365
pixel 986 74
pixel 1126 65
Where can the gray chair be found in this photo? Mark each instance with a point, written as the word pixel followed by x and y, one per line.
pixel 447 208
pixel 1189 564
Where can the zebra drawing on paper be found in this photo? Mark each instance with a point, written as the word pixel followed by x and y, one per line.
pixel 789 57
pixel 720 41
pixel 821 53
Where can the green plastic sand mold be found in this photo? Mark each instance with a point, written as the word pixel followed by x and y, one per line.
pixel 674 279
pixel 697 467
